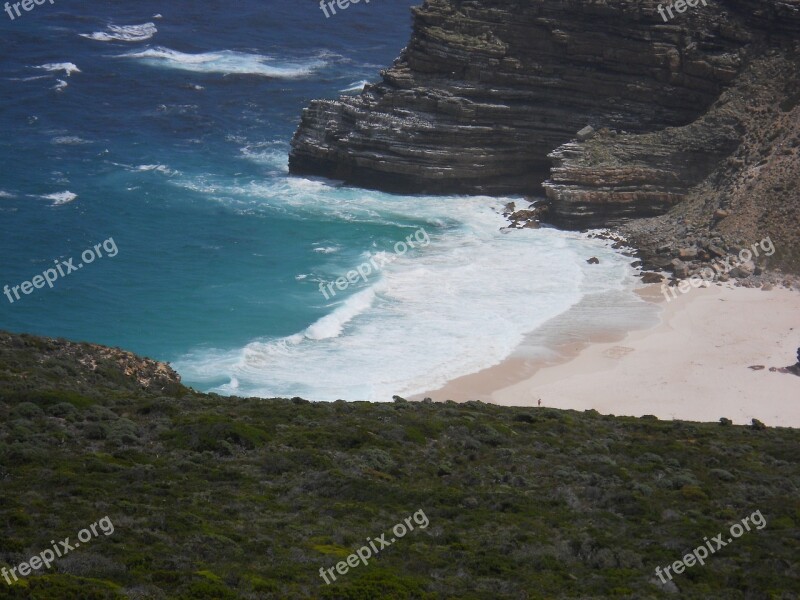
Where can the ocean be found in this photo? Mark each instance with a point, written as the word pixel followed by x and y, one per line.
pixel 166 127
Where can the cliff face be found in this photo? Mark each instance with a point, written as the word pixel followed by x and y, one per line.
pixel 752 195
pixel 487 89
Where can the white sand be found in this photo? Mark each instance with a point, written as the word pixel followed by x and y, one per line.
pixel 693 366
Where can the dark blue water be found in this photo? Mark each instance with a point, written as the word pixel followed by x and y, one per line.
pixel 165 127
pixel 176 249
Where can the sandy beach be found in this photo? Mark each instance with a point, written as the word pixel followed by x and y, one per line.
pixel 694 365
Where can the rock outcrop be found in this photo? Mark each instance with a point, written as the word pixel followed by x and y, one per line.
pixel 80 367
pixel 486 89
pixel 609 179
pixel 489 97
pixel 750 196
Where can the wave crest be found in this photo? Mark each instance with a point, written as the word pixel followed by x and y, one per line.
pixel 227 62
pixel 60 197
pixel 124 33
pixel 68 68
pixel 358 86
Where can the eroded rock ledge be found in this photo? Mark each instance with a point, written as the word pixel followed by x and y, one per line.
pixel 751 195
pixel 614 177
pixel 486 89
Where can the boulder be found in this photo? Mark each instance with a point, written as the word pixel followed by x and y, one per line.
pixel 680 268
pixel 651 277
pixel 586 133
pixel 744 270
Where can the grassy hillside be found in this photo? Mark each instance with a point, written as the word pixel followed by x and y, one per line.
pixel 221 498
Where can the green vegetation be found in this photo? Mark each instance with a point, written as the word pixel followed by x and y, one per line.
pixel 216 498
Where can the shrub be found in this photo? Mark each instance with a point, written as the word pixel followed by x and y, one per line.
pixel 62 410
pixel 208 590
pixel 64 587
pixel 723 474
pixel 100 413
pixel 693 492
pixel 123 431
pixel 378 583
pixel 217 434
pixel 96 431
pixel 26 410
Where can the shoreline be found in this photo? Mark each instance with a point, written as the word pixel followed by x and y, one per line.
pixel 692 365
pixel 552 348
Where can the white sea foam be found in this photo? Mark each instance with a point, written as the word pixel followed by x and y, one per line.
pixel 32 78
pixel 4 194
pixel 270 154
pixel 60 86
pixel 164 169
pixel 68 140
pixel 355 87
pixel 124 33
pixel 332 325
pixel 227 62
pixel 60 197
pixel 68 68
pixel 461 304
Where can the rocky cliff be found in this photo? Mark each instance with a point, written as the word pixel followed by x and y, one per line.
pixel 751 195
pixel 489 94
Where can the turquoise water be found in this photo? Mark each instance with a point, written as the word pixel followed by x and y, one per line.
pixel 167 129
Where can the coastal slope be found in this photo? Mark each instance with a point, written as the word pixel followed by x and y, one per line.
pixel 225 498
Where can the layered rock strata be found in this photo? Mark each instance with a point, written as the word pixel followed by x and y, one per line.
pixel 486 89
pixel 751 196
pixel 611 178
pixel 489 94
